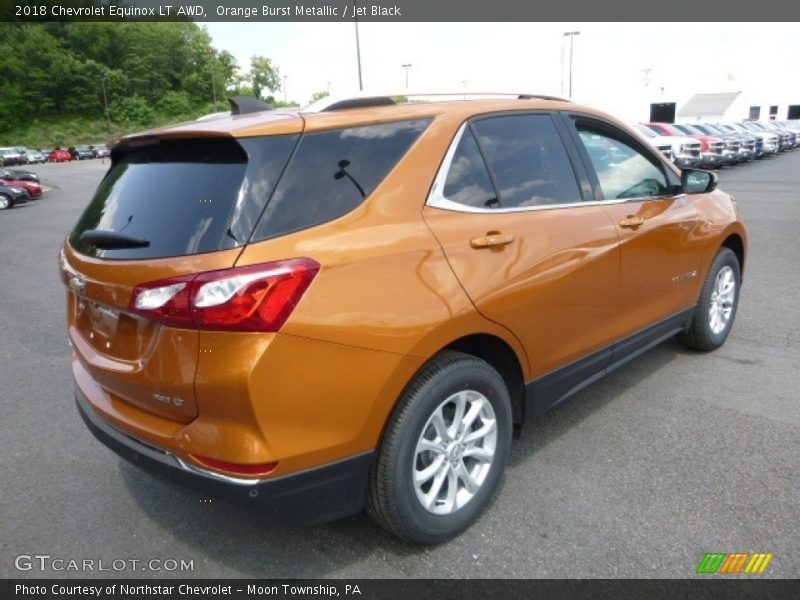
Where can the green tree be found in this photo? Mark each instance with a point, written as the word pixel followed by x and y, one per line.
pixel 133 110
pixel 264 76
pixel 319 96
pixel 63 75
pixel 175 104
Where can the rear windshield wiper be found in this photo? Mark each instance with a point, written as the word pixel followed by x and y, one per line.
pixel 109 240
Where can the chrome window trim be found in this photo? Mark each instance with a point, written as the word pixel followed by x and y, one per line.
pixel 437 199
pixel 436 195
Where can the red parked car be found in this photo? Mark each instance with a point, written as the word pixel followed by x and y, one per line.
pixel 59 155
pixel 711 147
pixel 34 189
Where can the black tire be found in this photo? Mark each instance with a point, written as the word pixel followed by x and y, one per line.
pixel 392 500
pixel 6 202
pixel 699 334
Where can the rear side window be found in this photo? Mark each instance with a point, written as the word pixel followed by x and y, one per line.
pixel 528 161
pixel 333 172
pixel 184 196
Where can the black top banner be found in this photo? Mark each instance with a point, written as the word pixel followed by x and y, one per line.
pixel 398 10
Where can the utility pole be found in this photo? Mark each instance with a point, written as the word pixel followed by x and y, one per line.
pixel 571 35
pixel 213 76
pixel 214 81
pixel 407 66
pixel 285 101
pixel 105 102
pixel 358 48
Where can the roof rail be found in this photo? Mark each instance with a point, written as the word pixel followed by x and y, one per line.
pixel 365 100
pixel 543 97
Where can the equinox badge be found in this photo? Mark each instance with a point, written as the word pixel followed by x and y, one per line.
pixel 168 399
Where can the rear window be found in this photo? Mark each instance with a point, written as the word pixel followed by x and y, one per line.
pixel 184 196
pixel 333 172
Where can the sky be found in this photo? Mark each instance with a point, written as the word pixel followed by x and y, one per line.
pixel 619 67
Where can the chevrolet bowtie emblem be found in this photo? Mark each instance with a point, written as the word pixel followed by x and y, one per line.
pixel 77 285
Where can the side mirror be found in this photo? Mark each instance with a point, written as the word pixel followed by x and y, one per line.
pixel 696 181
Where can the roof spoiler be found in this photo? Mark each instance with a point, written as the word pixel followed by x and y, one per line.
pixel 242 105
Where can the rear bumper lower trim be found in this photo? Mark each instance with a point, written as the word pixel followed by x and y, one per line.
pixel 312 496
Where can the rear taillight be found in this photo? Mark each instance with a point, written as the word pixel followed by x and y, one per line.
pixel 253 298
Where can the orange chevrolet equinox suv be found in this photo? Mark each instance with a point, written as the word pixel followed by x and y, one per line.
pixel 316 312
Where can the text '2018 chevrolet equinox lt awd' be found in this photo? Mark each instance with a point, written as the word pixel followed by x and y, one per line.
pixel 316 312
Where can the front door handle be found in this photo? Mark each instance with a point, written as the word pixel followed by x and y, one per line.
pixel 493 239
pixel 631 222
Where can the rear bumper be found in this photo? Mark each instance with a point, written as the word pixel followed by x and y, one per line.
pixel 307 497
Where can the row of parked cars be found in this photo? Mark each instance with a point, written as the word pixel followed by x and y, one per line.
pixel 716 145
pixel 19 155
pixel 18 186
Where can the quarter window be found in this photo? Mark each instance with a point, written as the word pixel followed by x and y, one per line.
pixel 468 180
pixel 622 170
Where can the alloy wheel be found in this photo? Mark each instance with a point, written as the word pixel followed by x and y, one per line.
pixel 723 295
pixel 455 452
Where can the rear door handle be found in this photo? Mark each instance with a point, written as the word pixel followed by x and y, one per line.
pixel 493 239
pixel 631 222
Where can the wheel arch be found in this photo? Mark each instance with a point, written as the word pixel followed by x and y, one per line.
pixel 736 244
pixel 502 357
pixel 492 344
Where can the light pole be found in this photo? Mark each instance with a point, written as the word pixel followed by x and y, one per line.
pixel 407 66
pixel 571 35
pixel 284 89
pixel 358 47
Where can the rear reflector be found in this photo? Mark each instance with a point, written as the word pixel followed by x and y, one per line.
pixel 236 468
pixel 253 298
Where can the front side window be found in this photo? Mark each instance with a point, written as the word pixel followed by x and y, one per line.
pixel 623 171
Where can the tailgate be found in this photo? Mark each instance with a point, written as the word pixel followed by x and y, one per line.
pixel 168 207
pixel 144 363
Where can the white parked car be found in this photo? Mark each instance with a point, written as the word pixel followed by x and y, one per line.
pixel 32 156
pixel 686 151
pixel 659 142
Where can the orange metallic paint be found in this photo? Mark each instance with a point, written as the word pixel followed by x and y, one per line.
pixel 554 285
pixel 398 283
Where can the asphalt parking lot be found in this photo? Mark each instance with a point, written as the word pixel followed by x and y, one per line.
pixel 640 475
